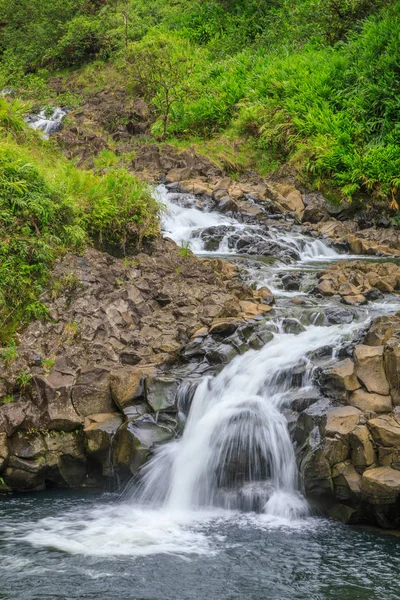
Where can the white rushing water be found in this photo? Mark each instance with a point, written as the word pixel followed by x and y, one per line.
pixel 47 123
pixel 184 220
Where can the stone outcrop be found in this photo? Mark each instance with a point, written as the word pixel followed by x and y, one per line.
pixel 356 282
pixel 101 376
pixel 353 450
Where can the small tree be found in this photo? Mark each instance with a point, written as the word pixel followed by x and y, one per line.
pixel 159 69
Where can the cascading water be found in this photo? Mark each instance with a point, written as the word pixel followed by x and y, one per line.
pixel 236 450
pixel 47 123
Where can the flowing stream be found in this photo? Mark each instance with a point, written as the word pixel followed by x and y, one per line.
pixel 218 513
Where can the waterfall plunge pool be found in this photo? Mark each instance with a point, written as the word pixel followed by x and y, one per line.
pixel 71 546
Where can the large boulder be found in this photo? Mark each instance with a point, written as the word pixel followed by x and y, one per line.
pixel 55 392
pixel 342 420
pixel 370 369
pixel 339 380
pixel 135 440
pixel 371 402
pixel 392 367
pixel 386 429
pixel 92 394
pixel 381 485
pixel 128 384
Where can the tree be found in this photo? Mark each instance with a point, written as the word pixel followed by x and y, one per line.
pixel 159 68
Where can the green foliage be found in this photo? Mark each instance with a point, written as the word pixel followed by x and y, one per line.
pixel 158 68
pixel 9 353
pixel 48 206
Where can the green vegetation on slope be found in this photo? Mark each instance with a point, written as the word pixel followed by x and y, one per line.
pixel 48 206
pixel 314 81
pixel 252 83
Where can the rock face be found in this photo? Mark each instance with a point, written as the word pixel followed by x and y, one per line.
pixel 100 389
pixel 349 455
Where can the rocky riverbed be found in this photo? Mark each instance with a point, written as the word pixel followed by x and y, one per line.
pixel 110 377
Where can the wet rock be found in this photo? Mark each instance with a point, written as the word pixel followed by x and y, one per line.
pixel 134 441
pixel 347 481
pixel 264 295
pixel 369 402
pixel 339 379
pixel 99 435
pixel 338 316
pixel 292 326
pixel 291 282
pixel 161 392
pixel 4 450
pixel 224 327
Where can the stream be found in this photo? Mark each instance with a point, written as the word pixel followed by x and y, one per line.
pixel 217 514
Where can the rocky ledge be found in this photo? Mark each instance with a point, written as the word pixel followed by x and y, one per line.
pixel 349 442
pixel 356 282
pixel 97 385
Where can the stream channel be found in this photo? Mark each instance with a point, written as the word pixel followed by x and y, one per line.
pixel 191 528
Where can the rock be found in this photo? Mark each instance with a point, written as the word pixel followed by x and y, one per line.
pixel 12 416
pixel 386 429
pixel 264 295
pixel 91 393
pixel 316 475
pixel 224 327
pixel 371 402
pixel 362 449
pixel 315 211
pixel 338 316
pixel 291 281
pixel 381 485
pixel 291 199
pixel 325 288
pixel 99 437
pixel 292 326
pixel 342 420
pixel 4 450
pixel 161 393
pixel 250 309
pixel 354 300
pixel 370 369
pixel 347 481
pixel 392 367
pixel 339 380
pixel 127 385
pixel 134 441
pixel 335 449
pixel 55 390
pixel 380 331
pixel 344 514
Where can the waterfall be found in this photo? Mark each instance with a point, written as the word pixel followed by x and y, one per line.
pixel 192 222
pixel 236 451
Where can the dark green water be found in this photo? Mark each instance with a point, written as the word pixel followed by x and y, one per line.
pixel 59 546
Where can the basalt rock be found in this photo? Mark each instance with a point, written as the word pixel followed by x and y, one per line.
pixel 100 368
